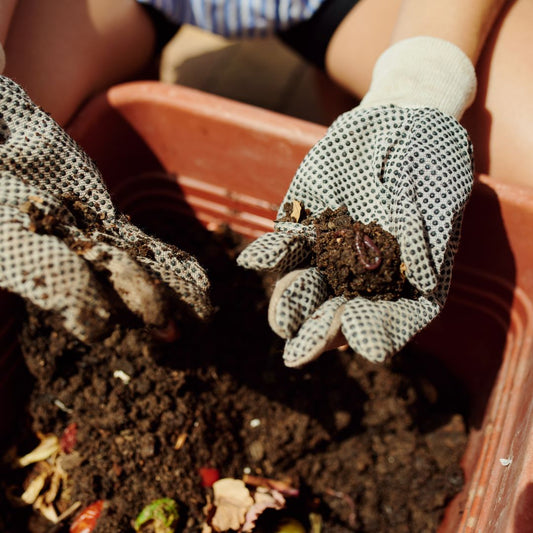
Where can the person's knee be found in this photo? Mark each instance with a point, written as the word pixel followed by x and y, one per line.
pixel 62 52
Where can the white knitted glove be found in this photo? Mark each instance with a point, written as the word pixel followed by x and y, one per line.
pixel 64 247
pixel 401 159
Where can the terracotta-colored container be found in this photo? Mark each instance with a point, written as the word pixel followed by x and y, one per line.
pixel 164 148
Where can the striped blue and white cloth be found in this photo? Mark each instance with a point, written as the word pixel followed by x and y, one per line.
pixel 237 18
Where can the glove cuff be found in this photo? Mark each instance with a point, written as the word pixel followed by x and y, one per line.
pixel 423 72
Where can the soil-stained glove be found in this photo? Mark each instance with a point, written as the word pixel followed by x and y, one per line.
pixel 64 247
pixel 401 159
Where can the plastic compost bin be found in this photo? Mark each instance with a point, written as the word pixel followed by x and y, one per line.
pixel 169 151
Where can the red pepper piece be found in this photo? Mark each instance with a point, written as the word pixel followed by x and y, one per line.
pixel 85 522
pixel 209 476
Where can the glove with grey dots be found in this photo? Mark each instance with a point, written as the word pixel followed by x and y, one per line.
pixel 401 159
pixel 64 247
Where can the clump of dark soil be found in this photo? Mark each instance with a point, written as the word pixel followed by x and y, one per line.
pixel 358 259
pixel 371 448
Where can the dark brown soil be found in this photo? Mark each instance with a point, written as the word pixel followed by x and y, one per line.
pixel 371 448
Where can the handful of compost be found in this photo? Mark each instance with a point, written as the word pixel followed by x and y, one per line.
pixel 400 159
pixel 358 259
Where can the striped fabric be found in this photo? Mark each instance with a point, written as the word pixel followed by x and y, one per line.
pixel 237 18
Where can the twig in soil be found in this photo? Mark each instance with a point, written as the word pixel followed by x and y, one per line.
pixel 352 517
pixel 275 484
pixel 180 441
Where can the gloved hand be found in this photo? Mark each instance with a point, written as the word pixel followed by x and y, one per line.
pixel 64 247
pixel 402 159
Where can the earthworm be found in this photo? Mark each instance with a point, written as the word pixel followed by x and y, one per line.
pixel 362 241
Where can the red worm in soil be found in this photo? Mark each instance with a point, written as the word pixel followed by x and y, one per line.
pixel 364 241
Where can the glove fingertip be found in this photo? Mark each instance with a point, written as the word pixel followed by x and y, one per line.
pixel 275 251
pixel 88 323
pixel 203 308
pixel 278 318
pixel 320 333
pixel 194 297
pixel 377 330
pixel 295 298
pixel 298 354
pixel 364 329
pixel 422 277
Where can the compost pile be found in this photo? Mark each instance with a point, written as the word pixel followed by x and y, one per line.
pixel 351 446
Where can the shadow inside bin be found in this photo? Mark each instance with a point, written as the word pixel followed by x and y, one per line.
pixel 461 351
pixel 237 339
pixel 470 334
pixel 15 381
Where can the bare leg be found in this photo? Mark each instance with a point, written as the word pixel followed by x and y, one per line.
pixel 63 51
pixel 500 120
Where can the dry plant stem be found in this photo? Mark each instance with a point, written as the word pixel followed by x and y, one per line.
pixel 275 484
pixel 352 519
